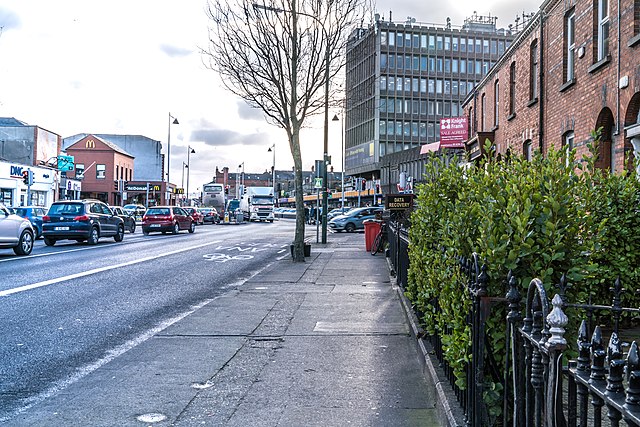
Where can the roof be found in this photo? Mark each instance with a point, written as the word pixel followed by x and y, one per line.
pixel 111 145
pixel 11 121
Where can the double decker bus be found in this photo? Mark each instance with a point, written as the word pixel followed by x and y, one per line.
pixel 213 197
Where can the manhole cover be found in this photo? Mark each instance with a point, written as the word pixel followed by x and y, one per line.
pixel 152 418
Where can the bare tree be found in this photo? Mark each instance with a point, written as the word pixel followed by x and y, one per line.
pixel 273 54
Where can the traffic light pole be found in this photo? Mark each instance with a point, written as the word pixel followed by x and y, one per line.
pixel 29 182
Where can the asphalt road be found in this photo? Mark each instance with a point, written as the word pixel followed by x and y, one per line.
pixel 68 309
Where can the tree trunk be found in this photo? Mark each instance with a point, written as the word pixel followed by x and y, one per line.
pixel 298 243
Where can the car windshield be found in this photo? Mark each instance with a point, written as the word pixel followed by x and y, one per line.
pixel 21 211
pixel 158 211
pixel 65 209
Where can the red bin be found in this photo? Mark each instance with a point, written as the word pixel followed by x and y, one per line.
pixel 371 230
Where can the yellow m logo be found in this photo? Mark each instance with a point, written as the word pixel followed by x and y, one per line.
pixel 90 143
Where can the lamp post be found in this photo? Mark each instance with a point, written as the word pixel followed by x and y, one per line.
pixel 184 165
pixel 325 156
pixel 273 169
pixel 189 152
pixel 335 119
pixel 175 122
pixel 241 165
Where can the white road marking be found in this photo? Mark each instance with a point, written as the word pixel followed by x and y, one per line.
pixel 98 270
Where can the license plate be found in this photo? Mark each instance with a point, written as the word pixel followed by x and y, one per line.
pixel 61 228
pixel 154 225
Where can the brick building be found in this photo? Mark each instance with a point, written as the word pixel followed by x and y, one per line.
pixel 100 164
pixel 573 69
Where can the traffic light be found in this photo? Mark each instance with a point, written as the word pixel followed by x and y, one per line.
pixel 226 189
pixel 364 184
pixel 25 177
pixel 115 185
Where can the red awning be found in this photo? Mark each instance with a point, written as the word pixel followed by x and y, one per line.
pixel 428 148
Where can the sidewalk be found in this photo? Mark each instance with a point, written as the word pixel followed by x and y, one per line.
pixel 320 343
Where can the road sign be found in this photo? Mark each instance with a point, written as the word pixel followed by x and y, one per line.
pixel 65 163
pixel 317 183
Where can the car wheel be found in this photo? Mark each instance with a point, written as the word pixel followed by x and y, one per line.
pixel 350 228
pixel 120 234
pixel 25 244
pixel 176 228
pixel 132 229
pixel 192 227
pixel 49 242
pixel 145 232
pixel 93 236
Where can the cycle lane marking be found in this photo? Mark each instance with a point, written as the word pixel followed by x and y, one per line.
pixel 99 270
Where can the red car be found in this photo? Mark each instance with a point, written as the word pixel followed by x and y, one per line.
pixel 197 216
pixel 167 218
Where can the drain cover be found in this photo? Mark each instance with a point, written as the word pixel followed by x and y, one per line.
pixel 152 418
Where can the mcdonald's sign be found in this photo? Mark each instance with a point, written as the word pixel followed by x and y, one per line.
pixel 90 143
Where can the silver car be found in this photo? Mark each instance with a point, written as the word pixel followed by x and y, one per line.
pixel 15 232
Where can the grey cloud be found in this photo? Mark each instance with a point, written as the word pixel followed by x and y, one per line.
pixel 174 51
pixel 8 19
pixel 225 138
pixel 248 113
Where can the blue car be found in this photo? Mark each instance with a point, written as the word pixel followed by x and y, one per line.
pixel 354 219
pixel 34 214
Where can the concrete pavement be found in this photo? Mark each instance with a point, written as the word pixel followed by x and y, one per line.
pixel 320 343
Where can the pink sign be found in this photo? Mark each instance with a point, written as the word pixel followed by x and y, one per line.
pixel 453 132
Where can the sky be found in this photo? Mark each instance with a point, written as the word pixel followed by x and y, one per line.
pixel 122 66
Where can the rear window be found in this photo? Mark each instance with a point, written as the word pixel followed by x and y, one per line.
pixel 66 209
pixel 158 211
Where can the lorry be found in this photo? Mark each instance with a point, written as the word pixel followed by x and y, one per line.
pixel 256 204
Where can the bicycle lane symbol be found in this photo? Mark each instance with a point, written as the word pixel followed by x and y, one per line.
pixel 220 257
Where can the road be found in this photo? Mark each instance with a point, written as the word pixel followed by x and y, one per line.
pixel 67 310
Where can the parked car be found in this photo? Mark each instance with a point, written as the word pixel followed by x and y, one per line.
pixel 128 218
pixel 16 232
pixel 33 214
pixel 197 216
pixel 210 215
pixel 337 211
pixel 354 219
pixel 81 220
pixel 136 210
pixel 167 218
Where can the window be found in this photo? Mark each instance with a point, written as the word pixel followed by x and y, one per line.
pixel 392 62
pixel 423 63
pixel 391 105
pixel 447 43
pixel 400 62
pixel 423 41
pixel 533 71
pixel 496 104
pixel 455 44
pixel 399 84
pixel 463 44
pixel 463 66
pixel 527 150
pixel 494 47
pixel 569 46
pixel 454 66
pixel 407 40
pixel 392 84
pixel 483 106
pixel 415 84
pixel 101 171
pixel 416 63
pixel 383 127
pixel 407 84
pixel 603 29
pixel 390 127
pixel 383 60
pixel 416 40
pixel 407 63
pixel 470 45
pixel 383 38
pixel 439 43
pixel 440 67
pixel 485 46
pixel 567 143
pixel 438 86
pixel 512 89
pixel 383 105
pixel 79 170
pixel 392 38
pixel 432 42
pixel 383 83
pixel 447 65
pixel 423 85
pixel 117 172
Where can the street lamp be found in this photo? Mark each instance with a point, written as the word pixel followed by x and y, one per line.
pixel 189 152
pixel 273 169
pixel 184 165
pixel 335 119
pixel 241 180
pixel 175 122
pixel 325 156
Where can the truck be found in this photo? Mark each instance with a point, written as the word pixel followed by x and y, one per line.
pixel 257 203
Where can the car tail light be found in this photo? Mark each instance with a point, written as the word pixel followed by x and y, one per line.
pixel 46 218
pixel 81 218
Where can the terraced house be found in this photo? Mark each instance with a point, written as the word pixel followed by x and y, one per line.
pixel 573 69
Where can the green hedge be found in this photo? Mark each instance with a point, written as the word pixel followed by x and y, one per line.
pixel 542 218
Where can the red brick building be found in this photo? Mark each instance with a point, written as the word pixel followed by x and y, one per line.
pixel 100 164
pixel 574 68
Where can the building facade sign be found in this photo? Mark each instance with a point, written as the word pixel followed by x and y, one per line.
pixel 453 132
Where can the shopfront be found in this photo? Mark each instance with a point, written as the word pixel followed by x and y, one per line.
pixel 14 192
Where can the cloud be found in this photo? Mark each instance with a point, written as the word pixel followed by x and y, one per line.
pixel 226 138
pixel 9 20
pixel 175 51
pixel 247 112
